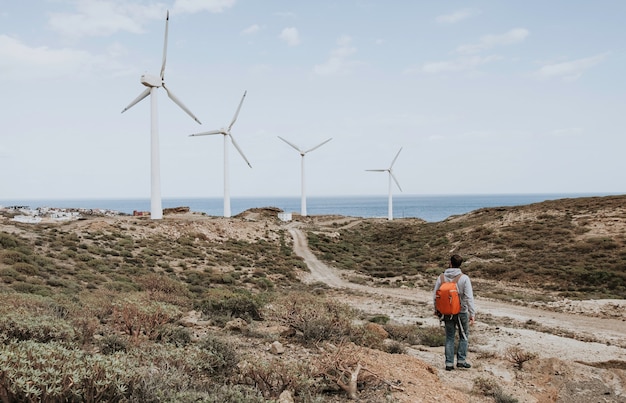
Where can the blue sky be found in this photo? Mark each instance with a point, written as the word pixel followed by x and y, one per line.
pixel 482 96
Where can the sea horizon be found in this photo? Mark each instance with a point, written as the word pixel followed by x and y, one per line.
pixel 431 208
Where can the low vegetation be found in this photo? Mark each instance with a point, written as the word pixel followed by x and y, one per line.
pixel 94 310
pixel 576 247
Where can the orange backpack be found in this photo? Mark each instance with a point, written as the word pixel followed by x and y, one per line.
pixel 447 300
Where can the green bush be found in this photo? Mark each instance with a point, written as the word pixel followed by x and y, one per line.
pixel 176 335
pixel 113 344
pixel 50 372
pixel 40 328
pixel 232 303
pixel 223 358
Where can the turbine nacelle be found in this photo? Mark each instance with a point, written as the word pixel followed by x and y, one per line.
pixel 151 81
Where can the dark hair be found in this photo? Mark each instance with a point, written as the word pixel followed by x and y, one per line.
pixel 456 260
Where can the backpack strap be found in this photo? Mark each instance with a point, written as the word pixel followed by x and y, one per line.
pixel 454 280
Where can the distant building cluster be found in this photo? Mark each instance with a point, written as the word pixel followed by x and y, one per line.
pixel 26 214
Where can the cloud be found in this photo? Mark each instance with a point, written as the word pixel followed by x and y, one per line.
pixel 339 61
pixel 457 16
pixel 104 18
pixel 460 64
pixel 107 17
pixel 194 6
pixel 290 36
pixel 19 61
pixel 252 29
pixel 570 70
pixel 511 37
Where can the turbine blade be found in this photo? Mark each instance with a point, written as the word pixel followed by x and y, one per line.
pixel 167 20
pixel 317 146
pixel 239 149
pixel 207 133
pixel 376 170
pixel 179 103
pixel 394 160
pixel 395 180
pixel 237 113
pixel 291 144
pixel 141 96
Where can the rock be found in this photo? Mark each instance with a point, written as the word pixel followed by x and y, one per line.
pixel 190 319
pixel 277 348
pixel 237 324
pixel 285 397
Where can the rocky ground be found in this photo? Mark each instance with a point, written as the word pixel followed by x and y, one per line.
pixel 579 345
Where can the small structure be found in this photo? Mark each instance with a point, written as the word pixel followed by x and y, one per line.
pixel 28 219
pixel 284 216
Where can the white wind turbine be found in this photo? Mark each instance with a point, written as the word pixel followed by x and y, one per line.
pixel 303 153
pixel 391 176
pixel 227 134
pixel 152 83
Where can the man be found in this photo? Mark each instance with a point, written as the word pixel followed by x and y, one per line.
pixel 463 320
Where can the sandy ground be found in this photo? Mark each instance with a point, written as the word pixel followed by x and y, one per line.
pixel 572 339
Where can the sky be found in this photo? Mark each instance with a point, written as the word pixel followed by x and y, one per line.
pixel 480 96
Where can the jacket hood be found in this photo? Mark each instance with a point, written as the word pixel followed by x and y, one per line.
pixel 451 273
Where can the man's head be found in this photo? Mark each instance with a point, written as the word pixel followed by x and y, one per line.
pixel 455 261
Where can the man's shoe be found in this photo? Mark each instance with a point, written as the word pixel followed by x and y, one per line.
pixel 463 365
pixel 449 368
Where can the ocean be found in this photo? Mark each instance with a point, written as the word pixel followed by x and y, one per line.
pixel 431 208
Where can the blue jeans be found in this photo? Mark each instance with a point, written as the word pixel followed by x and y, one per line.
pixel 460 321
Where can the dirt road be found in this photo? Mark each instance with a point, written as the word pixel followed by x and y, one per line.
pixel 554 339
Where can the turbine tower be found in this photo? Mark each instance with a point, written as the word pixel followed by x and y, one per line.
pixel 152 83
pixel 303 153
pixel 227 135
pixel 391 176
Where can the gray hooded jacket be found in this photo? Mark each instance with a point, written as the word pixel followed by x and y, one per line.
pixel 466 293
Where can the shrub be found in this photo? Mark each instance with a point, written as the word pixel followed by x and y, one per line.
pixel 31 288
pixel 41 328
pixel 176 335
pixel 271 378
pixel 369 335
pixel 315 318
pixel 52 373
pixel 232 303
pixel 8 241
pixel 113 344
pixel 518 356
pixel 138 318
pixel 489 387
pixel 222 356
pixel 406 333
pixel 432 336
pixel 380 319
pixel 395 347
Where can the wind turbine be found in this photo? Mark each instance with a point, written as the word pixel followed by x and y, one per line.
pixel 227 134
pixel 303 153
pixel 391 176
pixel 152 83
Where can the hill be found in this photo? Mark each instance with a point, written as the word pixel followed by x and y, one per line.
pixel 206 306
pixel 574 246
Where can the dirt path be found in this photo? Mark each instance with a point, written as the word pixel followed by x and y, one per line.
pixel 412 304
